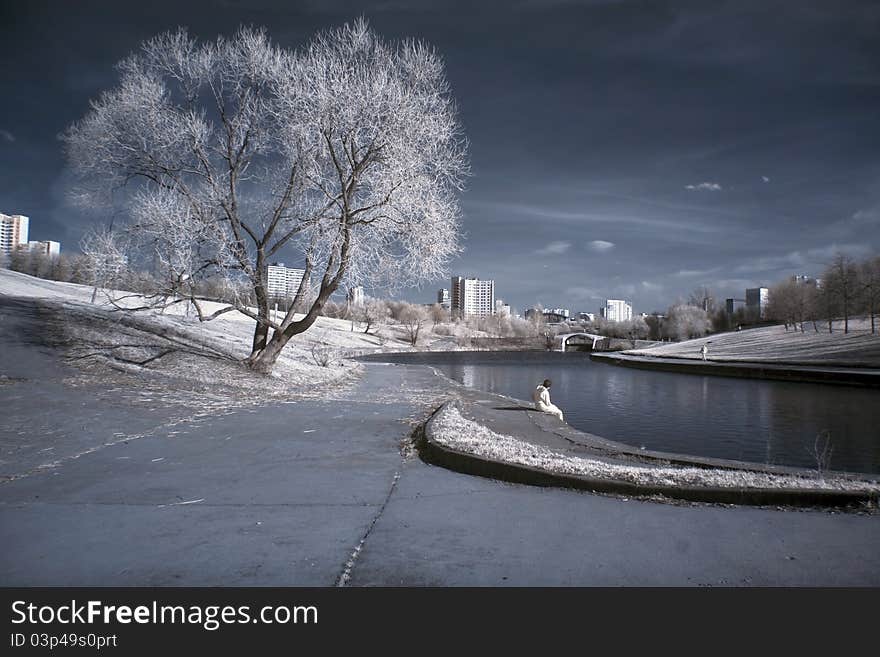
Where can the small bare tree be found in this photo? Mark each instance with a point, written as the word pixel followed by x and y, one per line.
pixel 821 451
pixel 347 152
pixel 373 312
pixel 413 318
pixel 841 281
pixel 104 259
pixel 870 279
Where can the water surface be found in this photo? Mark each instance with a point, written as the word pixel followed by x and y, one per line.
pixel 773 422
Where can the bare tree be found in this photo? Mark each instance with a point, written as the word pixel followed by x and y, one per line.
pixel 347 152
pixel 104 259
pixel 439 314
pixel 684 321
pixel 413 318
pixel 702 297
pixel 840 280
pixel 374 311
pixel 870 280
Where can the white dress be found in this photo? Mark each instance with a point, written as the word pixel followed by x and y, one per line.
pixel 541 397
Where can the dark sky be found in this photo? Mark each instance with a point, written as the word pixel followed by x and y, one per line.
pixel 619 149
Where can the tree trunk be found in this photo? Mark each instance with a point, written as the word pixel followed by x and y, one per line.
pixel 261 330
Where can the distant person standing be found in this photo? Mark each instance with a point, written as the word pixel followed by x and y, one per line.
pixel 704 351
pixel 541 397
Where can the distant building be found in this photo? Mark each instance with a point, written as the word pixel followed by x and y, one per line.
pixel 616 310
pixel 13 232
pixel 283 282
pixel 802 279
pixel 562 312
pixel 355 296
pixel 471 296
pixel 732 305
pixel 757 299
pixel 502 309
pixel 587 317
pixel 443 298
pixel 549 316
pixel 48 248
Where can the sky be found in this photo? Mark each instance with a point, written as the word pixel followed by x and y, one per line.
pixel 619 149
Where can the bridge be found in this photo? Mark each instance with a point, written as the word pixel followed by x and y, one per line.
pixel 563 339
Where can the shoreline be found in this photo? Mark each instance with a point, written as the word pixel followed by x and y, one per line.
pixel 544 434
pixel 865 377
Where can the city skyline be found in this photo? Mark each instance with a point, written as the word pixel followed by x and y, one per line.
pixel 618 150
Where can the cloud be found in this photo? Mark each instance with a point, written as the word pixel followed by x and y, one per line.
pixel 651 287
pixel 555 248
pixel 765 179
pixel 601 245
pixel 7 136
pixel 685 273
pixel 869 216
pixel 707 186
pixel 580 296
pixel 544 213
pixel 815 259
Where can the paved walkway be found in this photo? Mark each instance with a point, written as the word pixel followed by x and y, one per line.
pixel 319 492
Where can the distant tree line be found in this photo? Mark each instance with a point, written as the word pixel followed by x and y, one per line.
pixel 847 288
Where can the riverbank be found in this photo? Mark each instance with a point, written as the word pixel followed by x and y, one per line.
pixel 506 439
pixel 807 373
pixel 858 348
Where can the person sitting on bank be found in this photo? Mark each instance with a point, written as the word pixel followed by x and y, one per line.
pixel 541 397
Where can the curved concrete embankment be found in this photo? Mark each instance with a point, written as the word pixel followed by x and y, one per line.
pixel 541 434
pixel 853 376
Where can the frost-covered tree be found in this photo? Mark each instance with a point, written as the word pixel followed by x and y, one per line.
pixel 347 152
pixel 413 318
pixel 104 260
pixel 684 322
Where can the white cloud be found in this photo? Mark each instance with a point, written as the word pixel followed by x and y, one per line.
pixel 684 273
pixel 765 179
pixel 601 245
pixel 555 248
pixel 707 186
pixel 869 216
pixel 580 295
pixel 814 259
pixel 7 136
pixel 652 287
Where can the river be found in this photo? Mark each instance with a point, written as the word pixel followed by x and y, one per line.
pixel 770 422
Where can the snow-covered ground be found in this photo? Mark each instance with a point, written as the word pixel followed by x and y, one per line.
pixel 99 337
pixel 775 344
pixel 453 430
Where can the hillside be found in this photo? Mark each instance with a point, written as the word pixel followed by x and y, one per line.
pixel 772 344
pixel 196 356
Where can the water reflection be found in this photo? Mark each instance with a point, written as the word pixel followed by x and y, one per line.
pixel 763 421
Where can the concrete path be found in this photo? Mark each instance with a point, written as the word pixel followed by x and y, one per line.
pixel 319 491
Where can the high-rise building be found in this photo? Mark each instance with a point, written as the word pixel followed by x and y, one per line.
pixel 732 305
pixel 616 310
pixel 48 247
pixel 757 299
pixel 443 298
pixel 355 296
pixel 471 296
pixel 13 232
pixel 283 282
